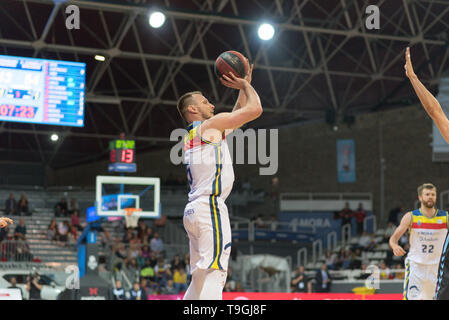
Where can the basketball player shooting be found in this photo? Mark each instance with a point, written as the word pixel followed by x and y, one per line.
pixel 4 222
pixel 211 176
pixel 434 110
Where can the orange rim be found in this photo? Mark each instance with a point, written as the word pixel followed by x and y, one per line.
pixel 130 211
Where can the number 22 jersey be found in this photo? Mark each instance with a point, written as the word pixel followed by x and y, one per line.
pixel 427 237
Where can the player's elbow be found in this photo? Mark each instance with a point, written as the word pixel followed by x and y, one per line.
pixel 256 110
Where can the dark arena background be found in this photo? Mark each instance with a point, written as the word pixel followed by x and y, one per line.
pixel 88 91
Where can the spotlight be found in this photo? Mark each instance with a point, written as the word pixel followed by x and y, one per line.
pixel 156 19
pixel 54 137
pixel 266 31
pixel 100 58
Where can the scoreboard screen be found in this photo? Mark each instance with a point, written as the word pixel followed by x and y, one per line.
pixel 122 155
pixel 42 91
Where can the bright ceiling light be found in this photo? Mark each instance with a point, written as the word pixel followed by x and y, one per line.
pixel 266 31
pixel 99 58
pixel 54 137
pixel 156 19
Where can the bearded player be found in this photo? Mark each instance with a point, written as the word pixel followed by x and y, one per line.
pixel 210 175
pixel 434 110
pixel 428 229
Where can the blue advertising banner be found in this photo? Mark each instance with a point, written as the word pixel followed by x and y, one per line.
pixel 346 160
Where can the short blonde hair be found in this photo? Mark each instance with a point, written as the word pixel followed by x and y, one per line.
pixel 184 101
pixel 425 186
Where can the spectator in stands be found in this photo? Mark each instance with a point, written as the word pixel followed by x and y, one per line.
pixel 11 205
pixel 347 261
pixel 106 238
pixel 21 230
pixel 22 206
pixel 149 234
pixel 4 233
pixel 323 279
pixel 300 281
pixel 132 269
pixel 118 292
pixel 340 257
pixel 73 206
pixel 364 240
pixel 147 272
pixel 227 287
pixel 273 222
pixel 260 224
pixel 13 285
pixel 169 288
pixel 61 208
pixel 23 252
pixel 75 220
pixel 162 272
pixel 63 230
pixel 156 244
pixel 360 215
pixel 399 274
pixel 188 268
pixel 331 259
pixel 394 214
pixel 136 293
pixel 153 259
pixel 385 272
pixel 388 232
pixel 128 236
pixel 372 243
pixel 142 231
pixel 52 230
pixel 145 252
pixel 176 263
pixel 346 215
pixel 356 259
pixel 238 287
pixel 180 279
pixel 160 223
pixel 134 250
pixel 145 289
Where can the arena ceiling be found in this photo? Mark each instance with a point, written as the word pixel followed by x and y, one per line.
pixel 322 61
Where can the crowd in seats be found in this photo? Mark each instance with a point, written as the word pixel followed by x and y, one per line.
pixel 14 247
pixel 140 257
pixel 17 208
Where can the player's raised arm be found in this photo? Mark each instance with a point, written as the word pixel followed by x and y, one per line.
pixel 248 112
pixel 241 99
pixel 400 230
pixel 430 104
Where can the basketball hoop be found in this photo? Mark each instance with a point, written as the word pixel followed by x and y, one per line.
pixel 131 217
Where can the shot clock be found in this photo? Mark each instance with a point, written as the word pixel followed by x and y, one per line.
pixel 122 155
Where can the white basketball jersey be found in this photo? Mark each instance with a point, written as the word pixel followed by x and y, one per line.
pixel 427 237
pixel 209 165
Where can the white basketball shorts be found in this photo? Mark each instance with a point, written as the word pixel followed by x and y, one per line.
pixel 420 280
pixel 207 224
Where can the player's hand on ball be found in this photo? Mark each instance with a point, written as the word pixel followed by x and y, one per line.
pixel 408 65
pixel 233 81
pixel 5 221
pixel 398 251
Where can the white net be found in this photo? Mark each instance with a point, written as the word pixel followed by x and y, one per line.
pixel 131 218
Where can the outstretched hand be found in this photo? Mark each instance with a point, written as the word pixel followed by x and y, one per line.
pixel 248 77
pixel 5 221
pixel 232 81
pixel 408 65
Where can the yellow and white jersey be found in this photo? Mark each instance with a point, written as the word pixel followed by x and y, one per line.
pixel 209 165
pixel 427 237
